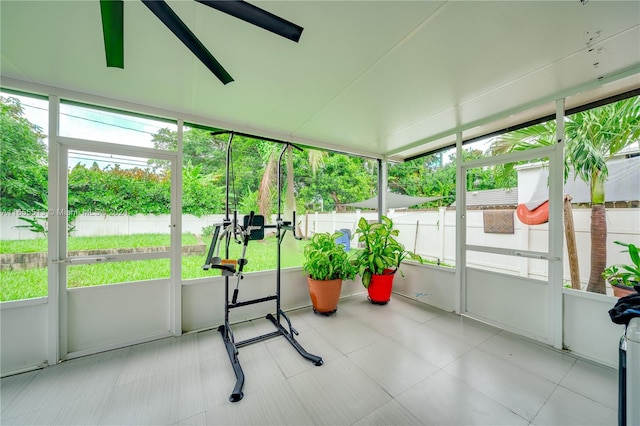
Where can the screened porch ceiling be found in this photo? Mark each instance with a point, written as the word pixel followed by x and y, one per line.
pixel 377 78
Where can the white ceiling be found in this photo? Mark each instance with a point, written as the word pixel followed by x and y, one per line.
pixel 393 78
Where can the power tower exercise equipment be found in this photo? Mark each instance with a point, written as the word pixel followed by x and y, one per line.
pixel 252 228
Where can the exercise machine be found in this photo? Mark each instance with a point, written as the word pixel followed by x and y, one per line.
pixel 251 228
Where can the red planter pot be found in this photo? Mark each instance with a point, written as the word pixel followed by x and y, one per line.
pixel 380 287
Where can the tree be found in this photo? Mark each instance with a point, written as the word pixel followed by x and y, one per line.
pixel 269 154
pixel 307 160
pixel 341 179
pixel 204 169
pixel 429 177
pixel 201 193
pixel 114 190
pixel 199 149
pixel 23 158
pixel 592 137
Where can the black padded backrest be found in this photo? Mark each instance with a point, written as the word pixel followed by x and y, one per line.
pixel 258 220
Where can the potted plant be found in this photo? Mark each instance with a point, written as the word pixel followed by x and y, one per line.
pixel 380 257
pixel 624 277
pixel 326 264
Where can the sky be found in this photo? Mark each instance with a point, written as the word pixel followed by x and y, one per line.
pixel 83 123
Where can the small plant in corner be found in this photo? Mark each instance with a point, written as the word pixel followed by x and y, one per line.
pixel 627 275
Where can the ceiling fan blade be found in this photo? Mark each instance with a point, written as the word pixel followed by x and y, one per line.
pixel 256 16
pixel 175 24
pixel 112 12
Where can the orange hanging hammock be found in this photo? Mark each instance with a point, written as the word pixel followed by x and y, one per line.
pixel 536 216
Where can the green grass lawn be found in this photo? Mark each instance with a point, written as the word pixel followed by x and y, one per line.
pixel 262 255
pixel 29 283
pixel 92 243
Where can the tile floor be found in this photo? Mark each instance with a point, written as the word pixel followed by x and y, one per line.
pixel 400 364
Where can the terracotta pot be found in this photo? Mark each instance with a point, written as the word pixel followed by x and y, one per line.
pixel 380 287
pixel 324 295
pixel 620 290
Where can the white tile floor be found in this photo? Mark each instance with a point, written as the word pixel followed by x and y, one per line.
pixel 400 364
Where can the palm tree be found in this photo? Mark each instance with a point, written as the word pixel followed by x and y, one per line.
pixel 592 138
pixel 269 152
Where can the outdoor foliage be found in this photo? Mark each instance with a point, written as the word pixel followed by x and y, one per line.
pixel 95 243
pixel 39 222
pixel 432 176
pixel 29 283
pixel 323 180
pixel 340 180
pixel 118 191
pixel 592 138
pixel 626 274
pixel 23 157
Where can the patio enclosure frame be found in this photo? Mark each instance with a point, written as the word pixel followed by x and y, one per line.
pixel 31 329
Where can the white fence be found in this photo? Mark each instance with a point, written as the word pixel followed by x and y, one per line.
pixel 432 234
pixel 92 225
pixel 429 233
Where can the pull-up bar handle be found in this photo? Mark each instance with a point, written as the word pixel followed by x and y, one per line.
pixel 248 135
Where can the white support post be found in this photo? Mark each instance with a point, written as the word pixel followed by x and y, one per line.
pixel 175 298
pixel 55 245
pixel 382 187
pixel 556 234
pixel 442 215
pixel 461 229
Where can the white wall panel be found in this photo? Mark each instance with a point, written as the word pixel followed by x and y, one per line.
pixel 113 315
pixel 428 284
pixel 24 335
pixel 514 303
pixel 203 299
pixel 588 329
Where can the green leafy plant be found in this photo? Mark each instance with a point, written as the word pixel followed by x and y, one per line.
pixel 36 224
pixel 207 231
pixel 381 249
pixel 326 259
pixel 39 224
pixel 625 274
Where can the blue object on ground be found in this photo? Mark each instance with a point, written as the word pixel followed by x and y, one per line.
pixel 345 238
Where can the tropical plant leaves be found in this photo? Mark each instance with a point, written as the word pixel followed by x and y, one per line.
pixel 381 249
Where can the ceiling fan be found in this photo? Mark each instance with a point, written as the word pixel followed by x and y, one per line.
pixel 112 12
